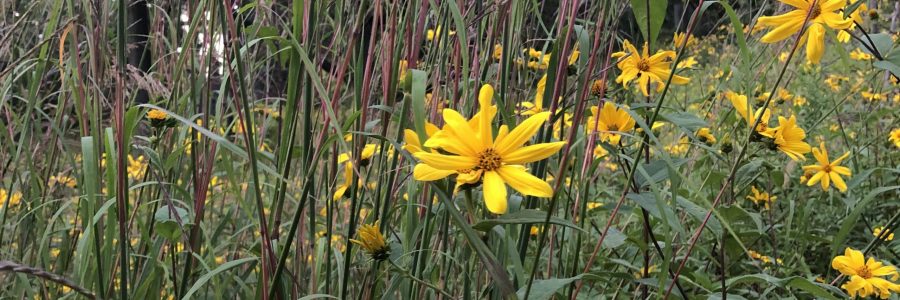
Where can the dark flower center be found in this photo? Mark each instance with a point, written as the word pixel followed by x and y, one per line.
pixel 489 160
pixel 816 11
pixel 612 127
pixel 643 65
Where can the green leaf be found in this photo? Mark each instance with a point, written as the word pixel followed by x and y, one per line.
pixel 317 296
pixel 418 101
pixel 652 16
pixel 656 171
pixel 738 27
pixel 528 216
pixel 747 172
pixel 491 265
pixel 614 238
pixel 699 213
pixel 887 66
pixel 206 277
pixel 545 288
pixel 688 121
pixel 818 290
pixel 850 220
pixel 882 42
pixel 167 224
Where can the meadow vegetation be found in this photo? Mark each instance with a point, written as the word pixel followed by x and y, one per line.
pixel 557 149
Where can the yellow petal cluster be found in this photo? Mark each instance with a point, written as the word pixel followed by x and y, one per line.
pixel 477 155
pixel 866 277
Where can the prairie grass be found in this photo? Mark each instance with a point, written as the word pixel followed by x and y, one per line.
pixel 449 149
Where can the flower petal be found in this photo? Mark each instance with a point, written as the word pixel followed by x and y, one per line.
pixel 532 153
pixel 447 162
pixel 524 182
pixel 424 172
pixel 494 193
pixel 521 134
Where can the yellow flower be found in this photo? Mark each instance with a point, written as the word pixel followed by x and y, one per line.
pixel 348 179
pixel 137 167
pixel 14 198
pixel 824 13
pixel 498 51
pixel 799 101
pixel 611 124
pixel 687 63
pixel 531 108
pixel 678 148
pixel 600 152
pixel 761 198
pixel 858 54
pixel 367 152
pixel 706 136
pixel 412 144
pixel 536 229
pixel 679 38
pixel 62 179
pixel 597 87
pixel 402 68
pixel 534 53
pixel 868 95
pixel 866 277
pixel 807 174
pixel 645 68
pixel 432 33
pixel 741 106
pixel 573 57
pixel 826 171
pixel 843 36
pixel 371 240
pixel 155 114
pixel 789 138
pixel 877 232
pixel 763 258
pixel 895 137
pixel 497 161
pixel 834 82
pixel 644 270
pixel 784 95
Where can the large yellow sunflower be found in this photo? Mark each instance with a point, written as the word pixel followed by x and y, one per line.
pixel 823 13
pixel 497 161
pixel 646 68
pixel 866 277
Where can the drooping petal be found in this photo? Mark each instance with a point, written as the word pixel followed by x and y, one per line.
pixel 524 182
pixel 494 193
pixel 815 43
